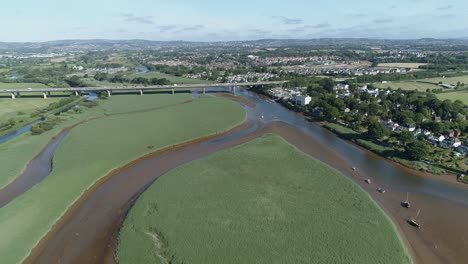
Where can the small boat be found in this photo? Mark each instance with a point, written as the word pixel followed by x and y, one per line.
pixel 368 181
pixel 406 204
pixel 413 222
pixel 380 190
pixel 262 115
pixel 353 168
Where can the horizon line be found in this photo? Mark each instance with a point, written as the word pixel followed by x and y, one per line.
pixel 243 40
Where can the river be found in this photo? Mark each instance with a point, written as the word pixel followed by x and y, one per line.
pixel 88 232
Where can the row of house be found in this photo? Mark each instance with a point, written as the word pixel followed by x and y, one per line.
pixel 449 140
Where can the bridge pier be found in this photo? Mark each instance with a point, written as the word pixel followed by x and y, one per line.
pixel 76 93
pixel 141 92
pixel 173 91
pixel 204 90
pixel 109 93
pixel 44 95
pixel 13 96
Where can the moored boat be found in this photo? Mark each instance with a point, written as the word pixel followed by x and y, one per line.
pixel 413 221
pixel 406 203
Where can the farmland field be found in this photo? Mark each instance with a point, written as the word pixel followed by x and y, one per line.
pixel 261 202
pixel 461 95
pixel 172 78
pixel 408 85
pixel 448 80
pixel 28 218
pixel 424 84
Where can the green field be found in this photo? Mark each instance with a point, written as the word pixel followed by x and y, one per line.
pixel 22 107
pixel 423 84
pixel 22 85
pixel 448 80
pixel 171 78
pixel 412 85
pixel 95 148
pixel 408 85
pixel 18 152
pixel 461 95
pixel 341 130
pixel 261 202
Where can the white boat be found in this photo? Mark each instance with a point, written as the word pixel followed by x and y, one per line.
pixel 368 181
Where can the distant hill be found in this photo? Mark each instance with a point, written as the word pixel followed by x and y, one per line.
pixel 325 43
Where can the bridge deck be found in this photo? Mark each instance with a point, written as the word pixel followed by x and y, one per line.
pixel 130 88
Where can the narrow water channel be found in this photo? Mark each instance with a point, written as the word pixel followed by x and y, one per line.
pixel 88 232
pixel 18 132
pixel 37 169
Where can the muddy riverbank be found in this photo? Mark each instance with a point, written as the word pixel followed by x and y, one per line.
pixel 88 231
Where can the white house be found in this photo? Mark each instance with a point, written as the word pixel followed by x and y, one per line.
pixel 456 143
pixel 302 100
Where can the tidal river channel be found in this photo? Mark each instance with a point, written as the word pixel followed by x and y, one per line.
pixel 88 231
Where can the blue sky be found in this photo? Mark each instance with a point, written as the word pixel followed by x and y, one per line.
pixel 209 20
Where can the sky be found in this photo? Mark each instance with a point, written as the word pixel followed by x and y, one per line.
pixel 210 20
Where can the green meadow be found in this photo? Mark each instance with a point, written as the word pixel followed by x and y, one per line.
pixel 22 107
pixel 408 85
pixel 95 148
pixel 261 202
pixel 424 84
pixel 459 95
pixel 19 151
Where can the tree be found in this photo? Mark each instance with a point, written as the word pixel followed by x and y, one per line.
pixel 74 81
pixel 331 112
pixel 417 150
pixel 101 76
pixel 377 130
pixel 328 84
pixel 405 137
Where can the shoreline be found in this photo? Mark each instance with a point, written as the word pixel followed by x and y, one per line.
pixel 439 177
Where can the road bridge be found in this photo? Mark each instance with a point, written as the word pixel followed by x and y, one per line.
pixel 140 89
